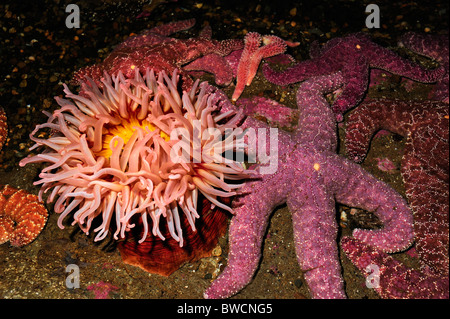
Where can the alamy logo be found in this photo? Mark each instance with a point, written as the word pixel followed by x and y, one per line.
pixel 73 19
pixel 373 19
pixel 73 279
pixel 373 279
pixel 260 145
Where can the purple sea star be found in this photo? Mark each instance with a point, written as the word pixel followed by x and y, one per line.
pixel 393 279
pixel 425 172
pixel 435 47
pixel 272 111
pixel 353 55
pixel 310 178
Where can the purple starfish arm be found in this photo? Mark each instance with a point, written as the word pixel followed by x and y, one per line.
pixel 424 168
pixel 233 61
pixel 215 64
pixel 366 120
pixel 382 58
pixel 315 233
pixel 316 123
pixel 220 99
pixel 353 55
pixel 357 77
pixel 348 181
pixel 390 278
pixel 296 73
pixel 431 45
pixel 274 112
pixel 246 233
pixel 254 107
pixel 435 47
pixel 310 177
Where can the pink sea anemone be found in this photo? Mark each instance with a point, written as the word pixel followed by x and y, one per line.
pixel 110 154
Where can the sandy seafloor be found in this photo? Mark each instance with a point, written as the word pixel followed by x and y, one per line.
pixel 38 53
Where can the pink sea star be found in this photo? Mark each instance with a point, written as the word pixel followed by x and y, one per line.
pixel 242 64
pixel 102 289
pixel 154 50
pixel 385 165
pixel 354 55
pixel 252 55
pixel 425 172
pixel 310 178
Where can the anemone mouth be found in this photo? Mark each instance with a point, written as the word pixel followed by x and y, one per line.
pixel 124 131
pixel 115 153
